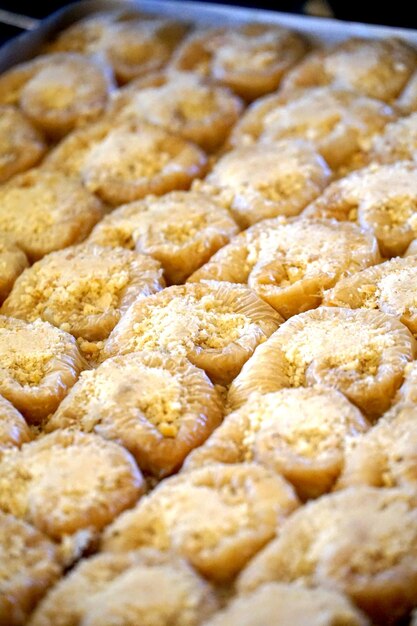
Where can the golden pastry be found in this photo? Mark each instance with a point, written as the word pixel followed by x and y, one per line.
pixel 338 122
pixel 38 364
pixel 216 517
pixel 251 59
pixel 261 181
pixel 407 100
pixel 300 433
pixel 381 198
pixel 121 400
pixel 84 289
pixel 389 287
pixel 398 142
pixel 281 604
pixel 407 393
pixel 182 230
pixel 290 262
pixel 386 455
pixel 361 353
pixel 12 263
pixel 21 145
pixel 182 104
pixel 122 163
pixel 216 325
pixel 14 430
pixel 145 587
pixel 58 92
pixel 44 211
pixel 68 481
pixel 29 564
pixel 378 68
pixel 361 541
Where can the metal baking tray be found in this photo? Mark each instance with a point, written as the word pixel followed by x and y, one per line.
pixel 318 30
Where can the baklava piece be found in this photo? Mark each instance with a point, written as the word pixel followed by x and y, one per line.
pixel 398 142
pixel 12 263
pixel 390 287
pixel 407 393
pixel 145 587
pixel 359 352
pixel 378 68
pixel 182 230
pixel 338 122
pixel 83 290
pixel 38 365
pixel 216 325
pixel 44 211
pixel 267 180
pixel 14 430
pixel 29 564
pixel 21 145
pixel 58 92
pixel 386 455
pixel 216 517
pixel 381 198
pixel 182 104
pixel 66 482
pixel 157 406
pixel 289 263
pixel 299 433
pixel 250 59
pixel 361 541
pixel 281 604
pixel 126 162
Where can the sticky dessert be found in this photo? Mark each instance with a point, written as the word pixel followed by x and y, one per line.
pixel 300 433
pixel 216 325
pixel 381 198
pixel 14 431
pixel 398 142
pixel 290 262
pixel 43 211
pixel 121 400
pixel 66 481
pixel 83 289
pixel 361 353
pixel 12 263
pixel 21 145
pixel 216 517
pixel 38 365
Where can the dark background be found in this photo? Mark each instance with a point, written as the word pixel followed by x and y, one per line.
pixel 398 13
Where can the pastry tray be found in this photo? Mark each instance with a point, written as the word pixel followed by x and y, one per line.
pixel 318 30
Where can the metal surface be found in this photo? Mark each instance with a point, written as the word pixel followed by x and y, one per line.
pixel 319 30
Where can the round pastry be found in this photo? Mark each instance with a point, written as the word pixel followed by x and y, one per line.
pixel 21 145
pixel 14 430
pixel 359 352
pixel 216 517
pixel 398 142
pixel 38 364
pixel 12 263
pixel 68 481
pixel 216 325
pixel 182 230
pixel 289 263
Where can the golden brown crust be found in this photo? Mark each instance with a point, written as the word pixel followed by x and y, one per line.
pixel 217 517
pixel 262 181
pixel 12 263
pixel 290 262
pixel 250 59
pixel 381 198
pixel 21 145
pixel 182 230
pixel 283 604
pixel 377 68
pixel 28 566
pixel 68 481
pixel 84 289
pixel 361 353
pixel 43 211
pixel 216 325
pixel 14 430
pixel 398 142
pixel 361 541
pixel 300 433
pixel 39 363
pixel 121 400
pixel 147 587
